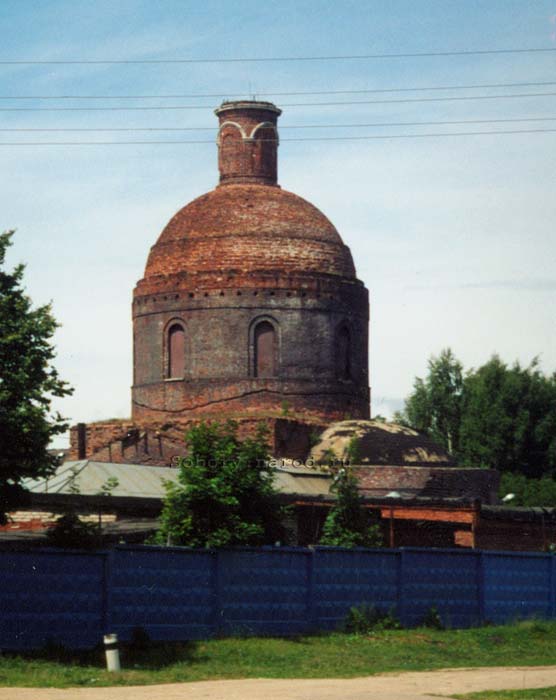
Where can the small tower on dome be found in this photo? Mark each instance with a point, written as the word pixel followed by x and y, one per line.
pixel 250 300
pixel 248 142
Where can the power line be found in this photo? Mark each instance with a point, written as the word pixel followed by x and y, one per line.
pixel 276 94
pixel 286 126
pixel 291 104
pixel 272 59
pixel 317 138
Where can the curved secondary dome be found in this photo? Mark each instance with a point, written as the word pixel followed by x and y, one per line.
pixel 250 228
pixel 380 443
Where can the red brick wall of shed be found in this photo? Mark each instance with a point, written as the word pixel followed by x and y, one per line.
pixel 430 481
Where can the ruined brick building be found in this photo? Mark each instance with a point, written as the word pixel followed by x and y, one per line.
pixel 249 308
pixel 249 297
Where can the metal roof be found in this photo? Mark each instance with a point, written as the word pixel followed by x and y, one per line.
pixel 87 478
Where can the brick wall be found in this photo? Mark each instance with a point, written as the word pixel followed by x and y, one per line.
pixel 245 252
pixel 160 443
pixel 435 482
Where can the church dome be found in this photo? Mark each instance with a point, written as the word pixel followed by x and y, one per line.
pixel 250 228
pixel 249 302
pixel 380 443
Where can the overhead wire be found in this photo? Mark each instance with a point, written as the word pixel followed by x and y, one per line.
pixel 451 122
pixel 317 138
pixel 291 104
pixel 476 86
pixel 274 59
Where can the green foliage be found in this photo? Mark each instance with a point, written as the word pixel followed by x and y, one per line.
pixel 509 420
pixel 336 655
pixel 348 524
pixel 285 408
pixel 363 619
pixel 353 451
pixel 528 492
pixel 314 437
pixel 435 405
pixel 496 416
pixel 28 383
pixel 108 486
pixel 69 531
pixel 432 619
pixel 225 494
pixel 329 457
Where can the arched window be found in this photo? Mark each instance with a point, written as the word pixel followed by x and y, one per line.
pixel 343 353
pixel 265 350
pixel 176 351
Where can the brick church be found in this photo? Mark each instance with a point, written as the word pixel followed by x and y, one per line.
pixel 249 308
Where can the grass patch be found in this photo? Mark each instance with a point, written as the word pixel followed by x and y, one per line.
pixel 530 694
pixel 320 656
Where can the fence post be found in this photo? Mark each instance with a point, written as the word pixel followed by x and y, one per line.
pixel 108 566
pixel 552 586
pixel 480 585
pixel 216 593
pixel 310 593
pixel 400 593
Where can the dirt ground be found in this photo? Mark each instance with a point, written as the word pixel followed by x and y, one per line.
pixel 425 685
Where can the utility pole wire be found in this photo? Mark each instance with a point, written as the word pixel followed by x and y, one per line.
pixel 451 122
pixel 271 59
pixel 291 104
pixel 317 138
pixel 176 96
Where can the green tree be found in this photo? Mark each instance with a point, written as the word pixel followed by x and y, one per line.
pixel 528 492
pixel 225 495
pixel 28 383
pixel 434 407
pixel 348 524
pixel 496 416
pixel 509 419
pixel 71 532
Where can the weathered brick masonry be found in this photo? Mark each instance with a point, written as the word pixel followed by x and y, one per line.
pixel 124 442
pixel 430 481
pixel 249 308
pixel 244 261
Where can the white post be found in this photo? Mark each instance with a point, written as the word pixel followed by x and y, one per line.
pixel 112 652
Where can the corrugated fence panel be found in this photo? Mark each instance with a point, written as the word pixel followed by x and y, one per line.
pixel 444 579
pixel 51 597
pixel 264 591
pixel 517 585
pixel 72 598
pixel 347 578
pixel 167 592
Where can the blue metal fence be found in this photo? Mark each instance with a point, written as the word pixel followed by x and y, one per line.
pixel 73 598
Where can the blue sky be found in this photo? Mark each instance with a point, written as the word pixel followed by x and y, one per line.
pixel 453 236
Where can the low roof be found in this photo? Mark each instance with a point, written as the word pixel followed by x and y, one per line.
pixel 88 478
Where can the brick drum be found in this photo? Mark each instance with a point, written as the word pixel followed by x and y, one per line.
pixel 250 302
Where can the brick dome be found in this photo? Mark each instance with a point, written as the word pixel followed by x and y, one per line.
pixel 380 443
pixel 249 228
pixel 249 302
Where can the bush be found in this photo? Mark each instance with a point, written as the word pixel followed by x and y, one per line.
pixel 225 495
pixel 364 619
pixel 348 524
pixel 70 532
pixel 433 620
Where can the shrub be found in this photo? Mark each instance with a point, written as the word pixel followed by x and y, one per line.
pixel 432 619
pixel 366 618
